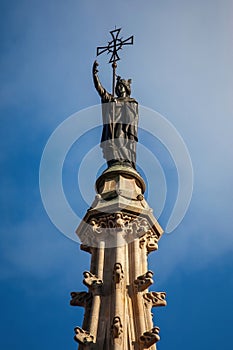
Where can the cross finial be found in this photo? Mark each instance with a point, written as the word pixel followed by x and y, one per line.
pixel 113 47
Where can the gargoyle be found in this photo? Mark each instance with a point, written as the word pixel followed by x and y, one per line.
pixel 155 299
pixel 150 240
pixel 144 281
pixel 150 337
pixel 91 281
pixel 80 299
pixel 83 337
pixel 86 248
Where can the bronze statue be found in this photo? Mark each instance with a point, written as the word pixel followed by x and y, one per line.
pixel 120 122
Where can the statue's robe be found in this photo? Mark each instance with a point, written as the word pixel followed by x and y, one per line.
pixel 120 124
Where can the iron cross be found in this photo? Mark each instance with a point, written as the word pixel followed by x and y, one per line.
pixel 113 46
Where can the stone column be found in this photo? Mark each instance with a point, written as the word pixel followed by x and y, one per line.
pixel 119 231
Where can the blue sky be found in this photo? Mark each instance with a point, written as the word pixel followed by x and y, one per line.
pixel 181 66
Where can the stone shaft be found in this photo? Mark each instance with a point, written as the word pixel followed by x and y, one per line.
pixel 119 231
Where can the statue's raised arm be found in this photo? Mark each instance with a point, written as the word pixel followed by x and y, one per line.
pixel 104 94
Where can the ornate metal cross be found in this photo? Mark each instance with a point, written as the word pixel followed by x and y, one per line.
pixel 113 46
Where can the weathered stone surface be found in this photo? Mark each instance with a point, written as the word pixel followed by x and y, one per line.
pixel 81 299
pixel 150 337
pixel 82 336
pixel 119 203
pixel 91 281
pixel 155 299
pixel 86 248
pixel 119 231
pixel 118 273
pixel 150 241
pixel 143 282
pixel 116 328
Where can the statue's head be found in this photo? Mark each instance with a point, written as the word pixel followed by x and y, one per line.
pixel 123 88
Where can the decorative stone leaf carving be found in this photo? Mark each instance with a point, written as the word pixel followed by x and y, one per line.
pixel 144 281
pixel 80 299
pixel 150 337
pixel 120 221
pixel 155 299
pixel 144 227
pixel 103 227
pixel 83 337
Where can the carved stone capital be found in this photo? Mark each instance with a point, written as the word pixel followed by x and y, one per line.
pixel 150 241
pixel 144 281
pixel 150 337
pixel 118 273
pixel 81 299
pixel 83 337
pixel 106 227
pixel 155 299
pixel 91 281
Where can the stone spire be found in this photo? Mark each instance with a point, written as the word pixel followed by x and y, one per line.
pixel 119 231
